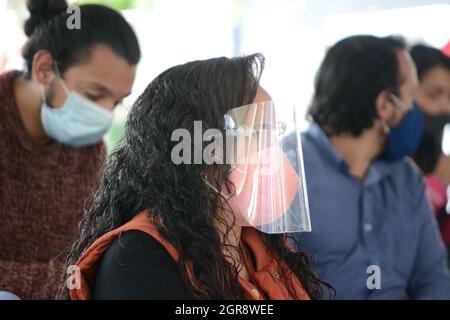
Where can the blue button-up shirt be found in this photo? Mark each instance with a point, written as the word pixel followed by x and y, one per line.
pixel 382 227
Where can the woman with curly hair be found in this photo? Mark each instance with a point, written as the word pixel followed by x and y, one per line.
pixel 160 230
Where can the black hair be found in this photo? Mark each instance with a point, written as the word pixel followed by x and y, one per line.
pixel 140 175
pixel 426 58
pixel 47 30
pixel 429 150
pixel 428 153
pixel 352 75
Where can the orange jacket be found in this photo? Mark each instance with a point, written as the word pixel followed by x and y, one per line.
pixel 268 282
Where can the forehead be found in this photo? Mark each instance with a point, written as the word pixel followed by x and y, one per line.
pixel 104 68
pixel 437 75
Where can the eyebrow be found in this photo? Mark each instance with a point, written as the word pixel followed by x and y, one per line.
pixel 103 89
pixel 437 88
pixel 97 87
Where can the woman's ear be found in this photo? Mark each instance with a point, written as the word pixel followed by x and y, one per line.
pixel 43 67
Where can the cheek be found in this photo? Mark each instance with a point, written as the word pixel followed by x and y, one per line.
pixel 106 103
pixel 428 104
pixel 434 104
pixel 439 105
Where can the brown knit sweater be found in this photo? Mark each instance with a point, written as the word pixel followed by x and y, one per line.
pixel 42 193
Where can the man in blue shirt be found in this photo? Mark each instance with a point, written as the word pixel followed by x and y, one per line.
pixel 373 233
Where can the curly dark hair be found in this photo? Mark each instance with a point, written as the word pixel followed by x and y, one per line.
pixel 140 175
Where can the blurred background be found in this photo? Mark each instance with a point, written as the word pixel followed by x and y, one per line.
pixel 292 34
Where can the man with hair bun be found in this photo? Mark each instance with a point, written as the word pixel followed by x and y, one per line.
pixel 54 116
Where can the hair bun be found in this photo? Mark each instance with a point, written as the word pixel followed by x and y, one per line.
pixel 42 11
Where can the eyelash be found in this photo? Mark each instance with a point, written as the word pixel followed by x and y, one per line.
pixel 96 98
pixel 93 97
pixel 435 95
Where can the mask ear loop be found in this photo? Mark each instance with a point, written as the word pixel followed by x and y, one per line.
pixel 42 87
pixel 62 80
pixel 385 128
pixel 58 73
pixel 397 103
pixel 42 90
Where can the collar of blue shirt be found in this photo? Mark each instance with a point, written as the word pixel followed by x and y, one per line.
pixel 378 170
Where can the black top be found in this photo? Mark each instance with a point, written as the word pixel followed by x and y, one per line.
pixel 138 267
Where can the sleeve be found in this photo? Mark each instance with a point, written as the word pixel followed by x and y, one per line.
pixel 138 267
pixel 431 277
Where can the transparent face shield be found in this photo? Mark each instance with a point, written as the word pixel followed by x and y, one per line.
pixel 265 154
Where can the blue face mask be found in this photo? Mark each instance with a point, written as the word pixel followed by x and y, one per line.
pixel 404 139
pixel 80 122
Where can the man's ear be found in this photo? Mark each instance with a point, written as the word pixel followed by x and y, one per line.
pixel 383 106
pixel 43 67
